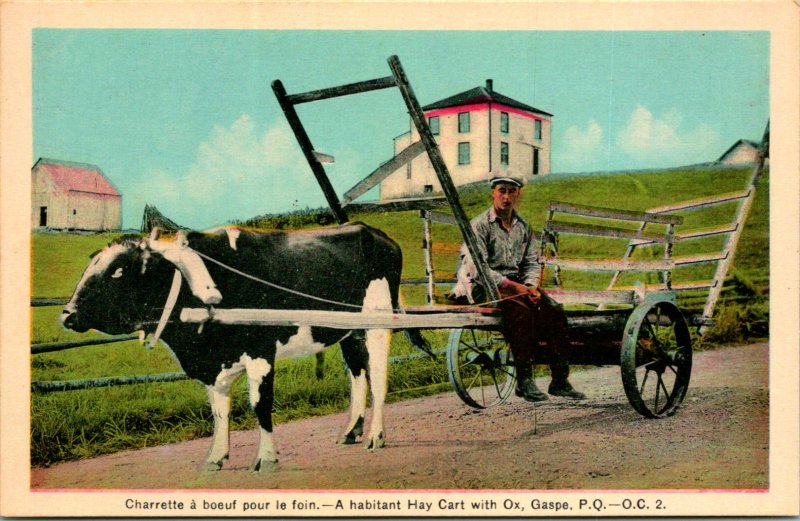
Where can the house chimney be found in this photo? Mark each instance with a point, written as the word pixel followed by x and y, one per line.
pixel 489 85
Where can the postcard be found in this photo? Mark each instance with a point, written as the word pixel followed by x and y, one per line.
pixel 399 259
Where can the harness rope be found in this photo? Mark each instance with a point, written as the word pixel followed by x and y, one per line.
pixel 273 285
pixel 312 297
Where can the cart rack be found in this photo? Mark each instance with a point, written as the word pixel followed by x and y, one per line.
pixel 426 143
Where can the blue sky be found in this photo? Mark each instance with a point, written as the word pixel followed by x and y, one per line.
pixel 186 119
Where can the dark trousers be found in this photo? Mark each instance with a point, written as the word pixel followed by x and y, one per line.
pixel 526 320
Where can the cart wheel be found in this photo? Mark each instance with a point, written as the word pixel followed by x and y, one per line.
pixel 480 367
pixel 656 359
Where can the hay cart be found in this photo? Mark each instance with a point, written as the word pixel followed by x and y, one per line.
pixel 639 328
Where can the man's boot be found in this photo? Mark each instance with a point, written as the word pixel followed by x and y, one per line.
pixel 560 386
pixel 526 387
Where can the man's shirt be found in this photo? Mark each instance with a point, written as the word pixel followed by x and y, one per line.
pixel 509 254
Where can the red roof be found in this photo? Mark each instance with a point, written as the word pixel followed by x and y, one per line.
pixel 77 177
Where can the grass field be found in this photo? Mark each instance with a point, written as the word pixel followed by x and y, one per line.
pixel 78 424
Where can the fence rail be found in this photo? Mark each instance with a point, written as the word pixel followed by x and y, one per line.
pixel 50 347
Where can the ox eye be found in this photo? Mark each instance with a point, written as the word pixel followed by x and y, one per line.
pixel 117 274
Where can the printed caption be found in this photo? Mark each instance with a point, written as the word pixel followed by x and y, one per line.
pixel 429 505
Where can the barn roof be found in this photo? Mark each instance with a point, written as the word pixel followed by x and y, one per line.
pixel 78 177
pixel 736 145
pixel 482 95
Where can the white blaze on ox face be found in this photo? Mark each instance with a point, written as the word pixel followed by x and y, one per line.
pixel 99 265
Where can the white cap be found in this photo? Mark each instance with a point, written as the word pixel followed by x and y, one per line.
pixel 506 179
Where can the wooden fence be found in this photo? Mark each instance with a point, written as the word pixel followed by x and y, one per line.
pixel 73 385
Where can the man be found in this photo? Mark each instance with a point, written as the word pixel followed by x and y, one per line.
pixel 505 242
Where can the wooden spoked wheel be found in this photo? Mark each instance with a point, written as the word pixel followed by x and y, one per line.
pixel 656 359
pixel 480 367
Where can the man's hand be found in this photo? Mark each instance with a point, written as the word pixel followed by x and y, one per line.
pixel 508 287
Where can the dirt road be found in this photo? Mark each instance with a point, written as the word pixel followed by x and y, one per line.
pixel 719 439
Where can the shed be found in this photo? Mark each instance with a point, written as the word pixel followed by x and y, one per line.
pixel 73 196
pixel 743 152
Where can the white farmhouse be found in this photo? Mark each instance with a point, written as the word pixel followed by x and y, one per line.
pixel 481 133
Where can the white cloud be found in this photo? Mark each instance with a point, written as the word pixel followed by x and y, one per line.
pixel 582 148
pixel 652 141
pixel 240 171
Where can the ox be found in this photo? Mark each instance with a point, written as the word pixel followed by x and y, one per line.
pixel 126 287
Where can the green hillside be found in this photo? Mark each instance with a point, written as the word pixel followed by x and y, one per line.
pixel 59 259
pixel 622 191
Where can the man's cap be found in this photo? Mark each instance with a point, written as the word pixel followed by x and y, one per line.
pixel 506 179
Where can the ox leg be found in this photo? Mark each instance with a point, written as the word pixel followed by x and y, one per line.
pixel 355 356
pixel 378 342
pixel 260 377
pixel 220 400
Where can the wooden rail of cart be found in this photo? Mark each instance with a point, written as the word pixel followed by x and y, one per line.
pixel 639 328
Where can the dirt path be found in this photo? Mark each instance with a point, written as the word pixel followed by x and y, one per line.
pixel 719 439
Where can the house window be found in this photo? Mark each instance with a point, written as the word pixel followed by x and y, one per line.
pixel 433 123
pixel 504 122
pixel 463 122
pixel 428 189
pixel 535 161
pixel 537 129
pixel 42 216
pixel 74 211
pixel 503 154
pixel 463 153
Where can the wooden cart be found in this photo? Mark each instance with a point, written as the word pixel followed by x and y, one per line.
pixel 641 329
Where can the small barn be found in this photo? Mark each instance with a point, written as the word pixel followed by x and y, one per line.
pixel 743 152
pixel 73 196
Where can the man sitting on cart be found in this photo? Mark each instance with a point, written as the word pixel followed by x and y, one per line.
pixel 506 242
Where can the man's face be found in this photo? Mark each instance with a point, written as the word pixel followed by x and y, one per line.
pixel 505 197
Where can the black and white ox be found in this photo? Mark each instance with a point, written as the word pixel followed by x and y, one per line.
pixel 127 285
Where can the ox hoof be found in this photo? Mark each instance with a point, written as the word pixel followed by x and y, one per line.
pixel 352 435
pixel 264 465
pixel 212 466
pixel 347 439
pixel 377 442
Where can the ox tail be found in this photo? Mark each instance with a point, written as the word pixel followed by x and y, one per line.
pixel 415 336
pixel 319 370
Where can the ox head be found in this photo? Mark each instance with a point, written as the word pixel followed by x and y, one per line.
pixel 125 285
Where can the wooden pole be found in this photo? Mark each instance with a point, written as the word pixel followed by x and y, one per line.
pixel 338 319
pixel 426 251
pixel 733 238
pixel 439 166
pixel 308 151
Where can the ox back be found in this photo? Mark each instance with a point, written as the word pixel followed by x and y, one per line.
pixel 335 264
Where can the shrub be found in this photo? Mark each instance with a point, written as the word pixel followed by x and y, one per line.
pixel 735 322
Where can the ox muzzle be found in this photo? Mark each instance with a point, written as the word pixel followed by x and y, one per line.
pixel 69 319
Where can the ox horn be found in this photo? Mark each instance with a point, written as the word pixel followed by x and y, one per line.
pixel 190 265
